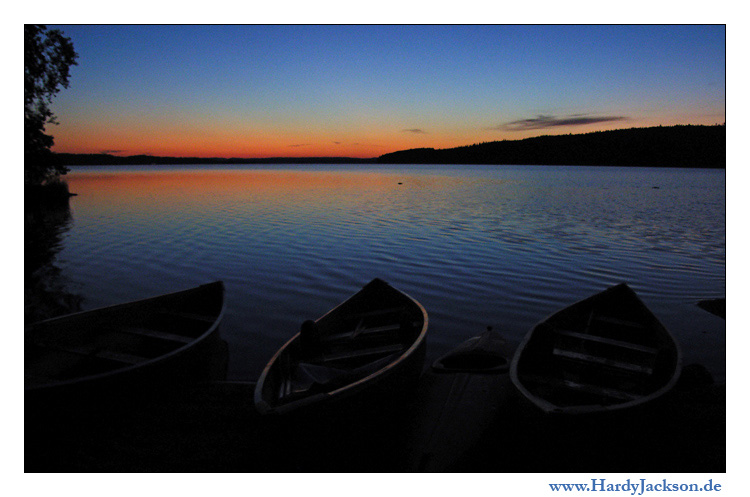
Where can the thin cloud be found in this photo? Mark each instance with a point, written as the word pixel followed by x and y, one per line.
pixel 414 130
pixel 299 145
pixel 544 122
pixel 110 152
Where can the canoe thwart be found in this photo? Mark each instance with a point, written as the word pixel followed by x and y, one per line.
pixel 363 332
pixel 109 355
pixel 192 316
pixel 602 361
pixel 606 341
pixel 378 312
pixel 617 321
pixel 587 388
pixel 151 333
pixel 361 353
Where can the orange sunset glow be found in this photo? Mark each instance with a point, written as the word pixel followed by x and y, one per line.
pixel 365 91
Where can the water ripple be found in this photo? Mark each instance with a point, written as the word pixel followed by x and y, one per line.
pixel 500 247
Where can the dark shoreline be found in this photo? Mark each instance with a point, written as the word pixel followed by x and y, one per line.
pixel 214 427
pixel 662 146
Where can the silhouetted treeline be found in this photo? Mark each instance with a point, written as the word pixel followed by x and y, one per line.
pixel 662 146
pixel 673 146
pixel 139 160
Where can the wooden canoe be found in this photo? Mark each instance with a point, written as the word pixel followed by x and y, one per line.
pixel 142 341
pixel 459 399
pixel 372 343
pixel 603 353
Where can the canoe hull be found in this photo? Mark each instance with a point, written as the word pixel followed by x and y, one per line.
pixel 127 347
pixel 369 322
pixel 603 353
pixel 460 398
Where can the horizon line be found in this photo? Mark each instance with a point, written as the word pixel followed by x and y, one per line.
pixel 337 157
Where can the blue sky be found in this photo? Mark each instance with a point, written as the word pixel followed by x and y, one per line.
pixel 361 91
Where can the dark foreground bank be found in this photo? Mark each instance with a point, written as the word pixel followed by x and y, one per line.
pixel 213 427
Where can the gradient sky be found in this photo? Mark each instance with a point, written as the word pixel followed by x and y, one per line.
pixel 362 91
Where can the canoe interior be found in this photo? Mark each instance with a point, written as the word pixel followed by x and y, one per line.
pixel 608 350
pixel 104 341
pixel 365 336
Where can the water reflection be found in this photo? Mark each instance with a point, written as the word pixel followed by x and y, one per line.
pixel 478 247
pixel 46 291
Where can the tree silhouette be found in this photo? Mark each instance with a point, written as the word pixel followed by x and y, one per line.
pixel 658 146
pixel 48 56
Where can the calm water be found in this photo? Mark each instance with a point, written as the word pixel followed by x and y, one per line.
pixel 476 245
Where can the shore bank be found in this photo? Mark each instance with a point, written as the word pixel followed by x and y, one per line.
pixel 213 427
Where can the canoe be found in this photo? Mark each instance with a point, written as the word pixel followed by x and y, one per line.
pixel 603 353
pixel 458 400
pixel 371 344
pixel 141 342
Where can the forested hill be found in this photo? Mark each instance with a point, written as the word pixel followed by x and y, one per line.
pixel 673 146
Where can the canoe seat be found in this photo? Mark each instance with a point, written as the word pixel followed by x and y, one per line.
pixel 189 315
pixel 362 332
pixel 604 392
pixel 121 357
pixel 604 351
pixel 616 321
pixel 378 312
pixel 150 333
pixel 585 388
pixel 607 341
pixel 603 361
pixel 359 353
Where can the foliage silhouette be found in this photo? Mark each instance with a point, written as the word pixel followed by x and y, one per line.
pixel 48 56
pixel 668 146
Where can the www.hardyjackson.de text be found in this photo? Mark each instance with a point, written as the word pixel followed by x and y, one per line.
pixel 638 488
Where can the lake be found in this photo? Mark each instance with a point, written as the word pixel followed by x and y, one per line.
pixel 478 246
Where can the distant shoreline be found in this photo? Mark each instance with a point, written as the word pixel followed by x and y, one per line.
pixel 683 146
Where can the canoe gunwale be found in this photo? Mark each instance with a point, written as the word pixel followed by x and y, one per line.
pixel 551 408
pixel 124 370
